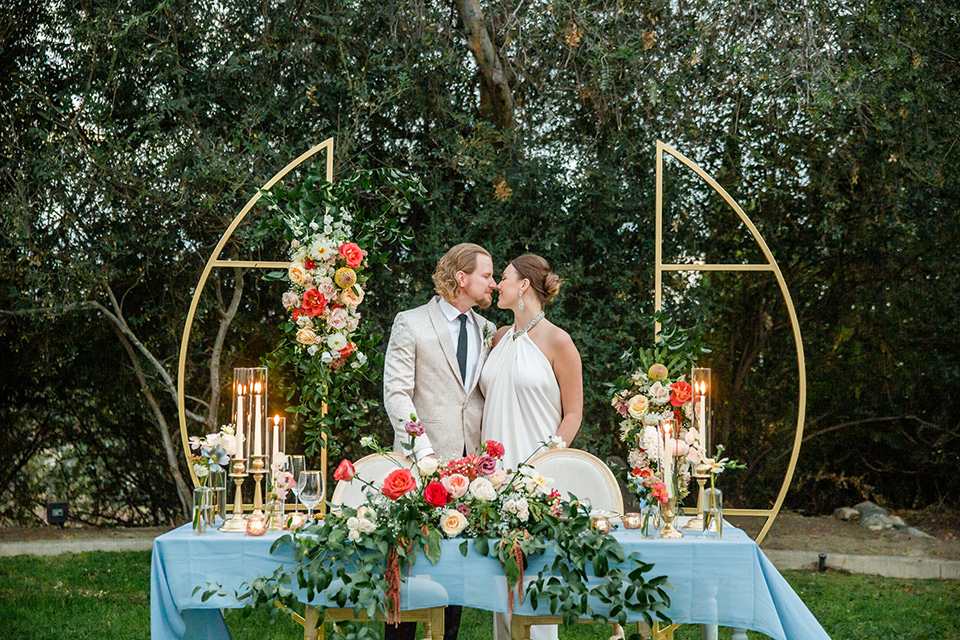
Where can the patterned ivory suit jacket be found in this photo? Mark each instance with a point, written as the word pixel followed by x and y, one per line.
pixel 421 376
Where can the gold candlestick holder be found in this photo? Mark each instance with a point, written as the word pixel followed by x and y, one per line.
pixel 668 530
pixel 258 470
pixel 237 523
pixel 697 523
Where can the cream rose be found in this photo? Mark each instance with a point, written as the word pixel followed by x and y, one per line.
pixel 427 466
pixel 306 336
pixel 336 341
pixel 497 478
pixel 456 484
pixel 290 300
pixel 452 522
pixel 327 288
pixel 296 273
pixel 482 489
pixel 638 406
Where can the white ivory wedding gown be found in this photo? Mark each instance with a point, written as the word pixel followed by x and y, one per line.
pixel 521 410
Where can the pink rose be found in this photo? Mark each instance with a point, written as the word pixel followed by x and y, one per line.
pixel 457 484
pixel 338 318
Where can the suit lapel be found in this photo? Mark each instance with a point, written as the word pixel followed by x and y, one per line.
pixel 479 323
pixel 443 337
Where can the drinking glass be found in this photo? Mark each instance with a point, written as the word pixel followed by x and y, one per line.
pixel 312 491
pixel 296 465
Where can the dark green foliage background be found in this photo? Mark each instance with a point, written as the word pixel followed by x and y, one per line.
pixel 132 133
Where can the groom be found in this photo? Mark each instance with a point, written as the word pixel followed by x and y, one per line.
pixel 432 368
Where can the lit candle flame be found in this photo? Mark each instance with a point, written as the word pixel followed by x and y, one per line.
pixel 256 388
pixel 276 420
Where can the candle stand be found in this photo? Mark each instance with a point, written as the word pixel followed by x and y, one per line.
pixel 237 523
pixel 697 523
pixel 668 530
pixel 258 469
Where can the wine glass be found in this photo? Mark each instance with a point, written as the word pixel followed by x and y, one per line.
pixel 296 465
pixel 312 491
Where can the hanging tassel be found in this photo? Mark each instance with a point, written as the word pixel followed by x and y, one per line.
pixel 393 586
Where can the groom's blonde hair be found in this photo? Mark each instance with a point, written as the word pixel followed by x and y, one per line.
pixel 462 257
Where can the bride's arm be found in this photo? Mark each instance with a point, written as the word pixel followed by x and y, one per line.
pixel 569 372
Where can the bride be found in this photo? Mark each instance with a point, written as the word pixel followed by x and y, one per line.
pixel 532 380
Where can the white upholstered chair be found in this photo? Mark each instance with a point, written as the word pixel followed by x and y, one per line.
pixel 374 468
pixel 584 475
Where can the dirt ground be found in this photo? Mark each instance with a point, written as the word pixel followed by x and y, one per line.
pixel 790 531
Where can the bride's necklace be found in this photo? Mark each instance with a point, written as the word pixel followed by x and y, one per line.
pixel 537 318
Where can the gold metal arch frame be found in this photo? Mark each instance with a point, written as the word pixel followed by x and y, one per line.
pixel 771 266
pixel 215 261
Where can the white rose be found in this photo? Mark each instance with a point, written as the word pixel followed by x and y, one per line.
pixel 427 466
pixel 336 341
pixel 660 394
pixel 290 300
pixel 482 489
pixel 497 478
pixel 354 535
pixel 353 523
pixel 367 527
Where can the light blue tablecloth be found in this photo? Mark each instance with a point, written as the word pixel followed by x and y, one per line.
pixel 728 582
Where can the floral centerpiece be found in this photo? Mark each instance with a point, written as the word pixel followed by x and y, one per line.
pixel 506 516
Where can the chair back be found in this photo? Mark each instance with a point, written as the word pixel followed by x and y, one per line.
pixel 582 474
pixel 372 468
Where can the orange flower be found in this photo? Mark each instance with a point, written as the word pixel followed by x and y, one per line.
pixel 397 483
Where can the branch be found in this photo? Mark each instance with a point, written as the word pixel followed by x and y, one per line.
pixel 494 84
pixel 226 319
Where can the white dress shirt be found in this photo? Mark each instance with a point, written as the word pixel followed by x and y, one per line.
pixel 452 314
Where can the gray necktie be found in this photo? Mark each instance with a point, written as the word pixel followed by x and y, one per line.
pixel 462 348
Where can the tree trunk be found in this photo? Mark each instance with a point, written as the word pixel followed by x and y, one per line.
pixel 495 93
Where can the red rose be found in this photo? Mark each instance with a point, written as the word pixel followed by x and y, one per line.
pixel 345 471
pixel 313 302
pixel 309 264
pixel 397 483
pixel 494 449
pixel 296 313
pixel 352 254
pixel 347 350
pixel 637 472
pixel 436 494
pixel 681 394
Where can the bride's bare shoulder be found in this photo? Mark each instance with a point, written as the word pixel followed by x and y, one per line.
pixel 499 334
pixel 559 339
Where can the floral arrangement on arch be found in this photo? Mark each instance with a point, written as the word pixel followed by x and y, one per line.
pixel 506 516
pixel 655 391
pixel 325 277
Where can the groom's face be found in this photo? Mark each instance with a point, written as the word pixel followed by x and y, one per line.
pixel 479 285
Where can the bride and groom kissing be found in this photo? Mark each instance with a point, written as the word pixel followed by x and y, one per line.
pixel 467 381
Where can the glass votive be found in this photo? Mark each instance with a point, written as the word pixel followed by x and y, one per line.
pixel 632 520
pixel 295 520
pixel 256 526
pixel 601 524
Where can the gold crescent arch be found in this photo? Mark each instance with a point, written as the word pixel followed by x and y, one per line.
pixel 215 261
pixel 770 265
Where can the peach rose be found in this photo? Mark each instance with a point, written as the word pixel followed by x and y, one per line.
pixel 453 522
pixel 352 297
pixel 306 336
pixel 457 484
pixel 296 273
pixel 638 406
pixel 497 478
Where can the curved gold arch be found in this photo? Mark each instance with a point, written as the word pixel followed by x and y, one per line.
pixel 215 261
pixel 770 265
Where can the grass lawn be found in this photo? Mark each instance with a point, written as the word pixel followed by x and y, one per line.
pixel 106 595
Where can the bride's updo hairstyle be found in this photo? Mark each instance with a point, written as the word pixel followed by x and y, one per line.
pixel 544 282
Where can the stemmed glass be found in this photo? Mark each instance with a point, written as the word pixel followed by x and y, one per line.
pixel 296 465
pixel 312 490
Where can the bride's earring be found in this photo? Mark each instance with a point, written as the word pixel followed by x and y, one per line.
pixel 520 304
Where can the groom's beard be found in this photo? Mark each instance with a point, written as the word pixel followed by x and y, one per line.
pixel 485 302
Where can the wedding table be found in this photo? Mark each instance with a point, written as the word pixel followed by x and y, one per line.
pixel 726 582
